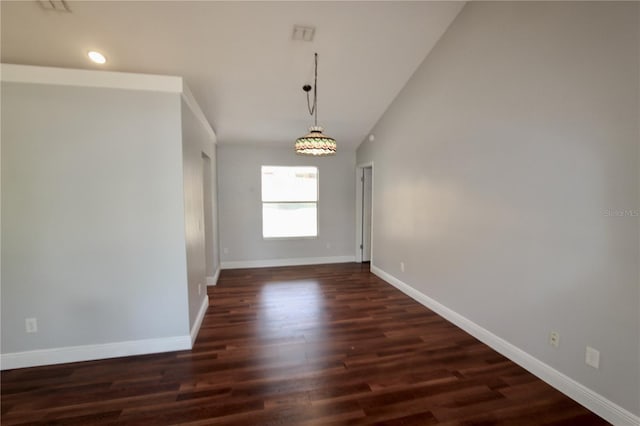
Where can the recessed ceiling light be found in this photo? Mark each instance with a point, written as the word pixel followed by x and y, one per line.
pixel 96 57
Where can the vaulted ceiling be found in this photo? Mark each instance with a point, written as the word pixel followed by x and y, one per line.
pixel 239 58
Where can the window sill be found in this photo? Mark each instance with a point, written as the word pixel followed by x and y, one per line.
pixel 289 238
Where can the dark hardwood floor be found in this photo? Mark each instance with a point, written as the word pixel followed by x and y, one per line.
pixel 329 344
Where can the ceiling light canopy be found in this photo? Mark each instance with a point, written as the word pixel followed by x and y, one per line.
pixel 315 142
pixel 96 57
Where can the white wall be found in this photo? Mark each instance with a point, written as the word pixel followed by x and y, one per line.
pixel 240 208
pixel 93 216
pixel 495 168
pixel 102 195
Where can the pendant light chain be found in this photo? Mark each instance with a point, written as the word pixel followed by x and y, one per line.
pixel 315 142
pixel 313 110
pixel 315 92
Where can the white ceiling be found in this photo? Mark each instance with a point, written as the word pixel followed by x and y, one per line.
pixel 238 57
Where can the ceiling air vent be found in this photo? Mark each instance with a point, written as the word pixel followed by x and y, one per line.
pixel 57 5
pixel 303 33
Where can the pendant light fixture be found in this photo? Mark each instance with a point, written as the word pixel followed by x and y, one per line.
pixel 315 143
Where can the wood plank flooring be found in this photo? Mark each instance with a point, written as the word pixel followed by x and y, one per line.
pixel 308 345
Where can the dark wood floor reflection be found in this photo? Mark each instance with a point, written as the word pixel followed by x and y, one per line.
pixel 329 344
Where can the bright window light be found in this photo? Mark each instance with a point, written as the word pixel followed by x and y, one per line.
pixel 289 202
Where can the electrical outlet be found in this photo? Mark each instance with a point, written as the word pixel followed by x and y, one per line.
pixel 554 339
pixel 225 250
pixel 199 289
pixel 328 245
pixel 401 266
pixel 592 357
pixel 31 325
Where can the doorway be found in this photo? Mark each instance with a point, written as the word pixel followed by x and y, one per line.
pixel 364 212
pixel 207 216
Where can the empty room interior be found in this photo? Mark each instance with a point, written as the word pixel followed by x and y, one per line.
pixel 318 212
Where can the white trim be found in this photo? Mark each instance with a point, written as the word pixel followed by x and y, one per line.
pixel 358 229
pixel 196 325
pixel 595 402
pixel 91 352
pixel 214 279
pixel 358 251
pixel 364 165
pixel 191 102
pixel 286 262
pixel 90 78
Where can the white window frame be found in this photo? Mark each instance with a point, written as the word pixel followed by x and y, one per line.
pixel 317 203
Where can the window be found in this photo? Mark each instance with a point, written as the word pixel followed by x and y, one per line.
pixel 289 202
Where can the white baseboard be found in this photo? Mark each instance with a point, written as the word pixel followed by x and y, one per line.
pixel 286 262
pixel 214 279
pixel 196 325
pixel 595 402
pixel 91 352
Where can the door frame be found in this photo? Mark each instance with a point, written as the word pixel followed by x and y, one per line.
pixel 359 202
